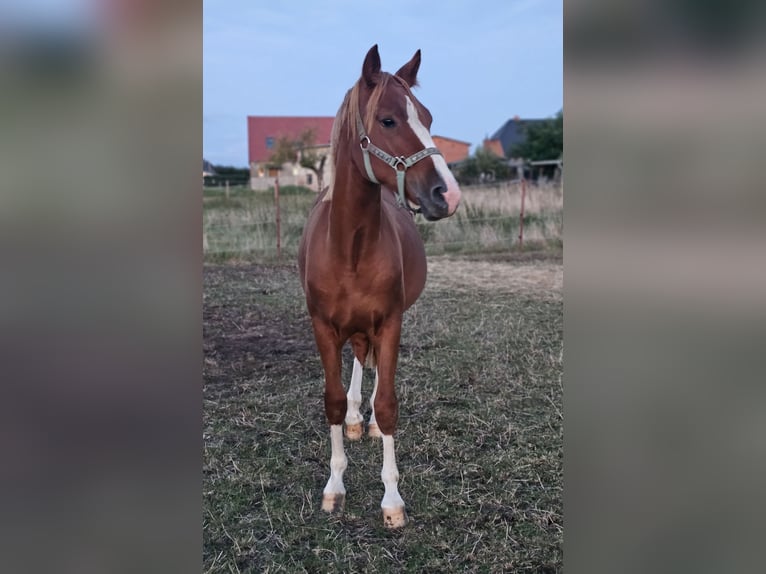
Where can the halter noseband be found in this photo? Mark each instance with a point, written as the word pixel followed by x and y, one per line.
pixel 400 163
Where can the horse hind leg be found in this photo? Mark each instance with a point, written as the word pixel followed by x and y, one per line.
pixel 372 429
pixel 354 419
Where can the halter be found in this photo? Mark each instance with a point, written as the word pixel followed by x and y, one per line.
pixel 399 163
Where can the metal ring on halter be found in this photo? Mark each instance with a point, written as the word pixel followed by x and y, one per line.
pixel 400 161
pixel 361 143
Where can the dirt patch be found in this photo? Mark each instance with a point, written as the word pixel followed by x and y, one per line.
pixel 478 500
pixel 543 279
pixel 253 321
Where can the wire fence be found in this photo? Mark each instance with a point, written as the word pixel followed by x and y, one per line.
pixel 243 226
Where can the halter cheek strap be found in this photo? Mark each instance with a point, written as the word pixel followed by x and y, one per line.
pixel 399 163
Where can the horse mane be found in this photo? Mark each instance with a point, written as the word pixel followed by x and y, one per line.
pixel 345 120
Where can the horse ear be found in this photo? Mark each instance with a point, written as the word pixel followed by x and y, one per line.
pixel 371 67
pixel 409 72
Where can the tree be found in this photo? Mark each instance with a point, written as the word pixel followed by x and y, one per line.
pixel 284 152
pixel 544 140
pixel 301 151
pixel 228 173
pixel 483 165
pixel 230 170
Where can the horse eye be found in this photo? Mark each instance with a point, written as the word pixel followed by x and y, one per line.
pixel 387 123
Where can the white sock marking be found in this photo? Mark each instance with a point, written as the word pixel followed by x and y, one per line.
pixel 354 395
pixel 372 398
pixel 452 195
pixel 338 462
pixel 390 475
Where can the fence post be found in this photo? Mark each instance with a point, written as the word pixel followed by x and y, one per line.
pixel 521 215
pixel 227 190
pixel 276 202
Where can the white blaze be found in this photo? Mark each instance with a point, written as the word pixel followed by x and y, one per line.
pixel 452 195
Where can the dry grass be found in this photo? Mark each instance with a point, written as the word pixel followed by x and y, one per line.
pixel 243 227
pixel 506 197
pixel 488 220
pixel 542 279
pixel 479 444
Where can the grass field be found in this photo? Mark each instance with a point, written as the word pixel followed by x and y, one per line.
pixel 242 226
pixel 479 444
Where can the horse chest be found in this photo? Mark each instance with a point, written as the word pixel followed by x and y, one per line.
pixel 357 302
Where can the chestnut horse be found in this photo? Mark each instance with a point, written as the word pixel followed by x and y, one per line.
pixel 362 262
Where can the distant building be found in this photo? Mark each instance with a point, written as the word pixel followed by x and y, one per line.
pixel 511 133
pixel 263 133
pixel 454 151
pixel 494 147
pixel 207 168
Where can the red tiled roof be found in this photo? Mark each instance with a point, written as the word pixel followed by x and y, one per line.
pixel 260 128
pixel 494 146
pixel 434 136
pixel 453 150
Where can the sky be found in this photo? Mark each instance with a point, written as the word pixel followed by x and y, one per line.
pixel 483 62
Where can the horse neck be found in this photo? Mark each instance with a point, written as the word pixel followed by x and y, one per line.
pixel 355 211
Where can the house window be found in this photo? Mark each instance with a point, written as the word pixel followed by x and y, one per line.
pixel 269 142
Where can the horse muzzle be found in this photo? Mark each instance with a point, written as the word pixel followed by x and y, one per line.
pixel 440 200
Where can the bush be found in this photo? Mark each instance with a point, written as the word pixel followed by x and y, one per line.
pixel 483 166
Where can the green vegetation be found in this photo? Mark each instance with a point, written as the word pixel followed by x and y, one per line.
pixel 302 151
pixel 479 445
pixel 243 227
pixel 480 437
pixel 236 176
pixel 545 140
pixel 483 162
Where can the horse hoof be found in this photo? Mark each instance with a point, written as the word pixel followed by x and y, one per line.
pixel 394 517
pixel 354 431
pixel 333 502
pixel 374 431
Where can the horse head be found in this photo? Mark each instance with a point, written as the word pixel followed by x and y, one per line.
pixel 395 146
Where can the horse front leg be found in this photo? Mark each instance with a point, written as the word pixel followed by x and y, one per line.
pixel 386 417
pixel 334 493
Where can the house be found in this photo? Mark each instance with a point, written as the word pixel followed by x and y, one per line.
pixel 494 147
pixel 263 133
pixel 207 168
pixel 512 132
pixel 453 151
